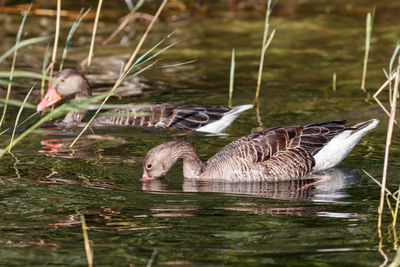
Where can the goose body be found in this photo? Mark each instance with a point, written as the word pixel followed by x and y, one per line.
pixel 274 154
pixel 212 119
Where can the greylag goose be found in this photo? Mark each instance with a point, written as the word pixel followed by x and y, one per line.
pixel 274 154
pixel 71 83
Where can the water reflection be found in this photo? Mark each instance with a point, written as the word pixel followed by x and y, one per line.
pixel 326 186
pixel 91 147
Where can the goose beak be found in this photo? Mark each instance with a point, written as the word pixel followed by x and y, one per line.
pixel 145 177
pixel 49 99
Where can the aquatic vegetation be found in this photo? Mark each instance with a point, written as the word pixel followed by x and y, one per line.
pixel 368 30
pixel 63 109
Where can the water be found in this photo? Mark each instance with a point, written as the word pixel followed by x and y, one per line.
pixel 45 185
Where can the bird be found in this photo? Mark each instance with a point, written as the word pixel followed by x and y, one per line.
pixel 274 154
pixel 70 83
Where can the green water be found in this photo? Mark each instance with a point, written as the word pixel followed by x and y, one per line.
pixel 44 184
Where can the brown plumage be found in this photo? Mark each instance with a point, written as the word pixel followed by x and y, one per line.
pixel 273 154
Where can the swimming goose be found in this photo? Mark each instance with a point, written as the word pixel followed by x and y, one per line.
pixel 212 119
pixel 274 154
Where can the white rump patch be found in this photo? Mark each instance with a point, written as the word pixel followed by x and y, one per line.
pixel 223 123
pixel 338 148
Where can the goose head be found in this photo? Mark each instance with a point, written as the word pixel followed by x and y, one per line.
pixel 161 158
pixel 158 161
pixel 68 83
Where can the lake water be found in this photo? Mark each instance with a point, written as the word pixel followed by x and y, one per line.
pixel 45 185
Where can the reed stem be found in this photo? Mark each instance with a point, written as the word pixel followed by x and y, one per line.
pixel 54 55
pixel 387 147
pixel 95 25
pixel 125 70
pixel 88 250
pixel 264 46
pixel 368 29
pixel 231 78
pixel 334 82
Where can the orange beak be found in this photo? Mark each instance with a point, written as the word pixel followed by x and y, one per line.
pixel 49 99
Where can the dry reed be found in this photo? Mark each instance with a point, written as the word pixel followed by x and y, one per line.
pixel 88 249
pixel 125 71
pixel 95 25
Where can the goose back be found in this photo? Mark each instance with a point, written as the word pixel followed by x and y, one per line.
pixel 163 115
pixel 273 154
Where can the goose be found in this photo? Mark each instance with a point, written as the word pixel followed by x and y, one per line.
pixel 275 154
pixel 72 84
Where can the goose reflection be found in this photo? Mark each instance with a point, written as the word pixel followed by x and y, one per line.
pixel 325 186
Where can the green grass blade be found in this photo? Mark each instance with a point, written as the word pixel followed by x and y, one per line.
pixel 140 71
pixel 265 44
pixel 14 82
pixel 143 59
pixel 18 38
pixel 22 44
pixel 368 30
pixel 26 74
pixel 27 119
pixel 70 34
pixel 137 6
pixel 170 66
pixel 19 114
pixel 18 103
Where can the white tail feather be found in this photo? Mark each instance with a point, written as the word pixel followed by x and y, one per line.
pixel 338 148
pixel 223 123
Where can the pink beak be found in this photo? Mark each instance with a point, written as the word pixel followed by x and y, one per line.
pixel 49 99
pixel 145 177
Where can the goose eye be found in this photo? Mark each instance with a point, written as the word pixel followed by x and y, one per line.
pixel 148 166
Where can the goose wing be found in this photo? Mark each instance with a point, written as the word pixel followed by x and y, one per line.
pixel 285 152
pixel 190 117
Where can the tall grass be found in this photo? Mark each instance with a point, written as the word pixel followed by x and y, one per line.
pixel 19 114
pixel 70 34
pixel 387 145
pixel 126 70
pixel 368 30
pixel 231 78
pixel 80 103
pixel 19 34
pixel 392 76
pixel 55 45
pixel 95 25
pixel 265 44
pixel 123 23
